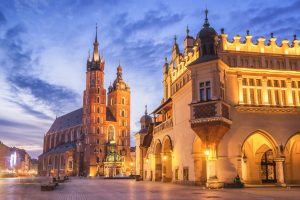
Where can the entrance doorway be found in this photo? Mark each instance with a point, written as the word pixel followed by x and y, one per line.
pixel 268 167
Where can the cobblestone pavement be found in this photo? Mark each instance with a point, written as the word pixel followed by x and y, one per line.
pixel 90 189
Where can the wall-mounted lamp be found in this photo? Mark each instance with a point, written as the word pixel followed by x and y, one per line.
pixel 206 152
pixel 165 157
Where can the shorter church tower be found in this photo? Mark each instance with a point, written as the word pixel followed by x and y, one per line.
pixel 119 106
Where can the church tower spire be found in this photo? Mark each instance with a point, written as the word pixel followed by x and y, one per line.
pixel 96 55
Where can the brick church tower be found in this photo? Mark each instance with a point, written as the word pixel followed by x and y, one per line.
pixel 94 108
pixel 106 127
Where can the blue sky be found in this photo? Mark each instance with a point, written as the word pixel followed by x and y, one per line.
pixel 44 46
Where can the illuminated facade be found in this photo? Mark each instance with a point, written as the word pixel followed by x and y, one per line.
pixel 93 140
pixel 229 108
pixel 14 161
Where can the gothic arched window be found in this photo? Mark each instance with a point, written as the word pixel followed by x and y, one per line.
pixel 111 133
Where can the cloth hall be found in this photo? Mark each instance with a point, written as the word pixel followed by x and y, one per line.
pixel 230 107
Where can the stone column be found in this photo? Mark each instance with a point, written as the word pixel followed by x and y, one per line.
pixel 211 169
pixel 280 171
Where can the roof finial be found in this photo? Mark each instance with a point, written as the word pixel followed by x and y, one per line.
pixel 146 112
pixel 206 23
pixel 96 37
pixel 272 35
pixel 175 38
pixel 187 30
pixel 248 32
pixel 295 37
pixel 166 59
pixel 222 30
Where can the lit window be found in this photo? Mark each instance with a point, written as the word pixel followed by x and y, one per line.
pixel 205 91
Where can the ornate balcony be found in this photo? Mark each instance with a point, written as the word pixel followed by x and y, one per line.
pixel 164 125
pixel 210 120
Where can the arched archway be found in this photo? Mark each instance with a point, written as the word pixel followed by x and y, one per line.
pixel 199 161
pixel 292 159
pixel 167 159
pixel 259 151
pixel 158 164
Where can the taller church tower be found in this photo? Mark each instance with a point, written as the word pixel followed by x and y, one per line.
pixel 94 110
pixel 106 127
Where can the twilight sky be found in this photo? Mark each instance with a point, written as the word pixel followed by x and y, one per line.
pixel 44 46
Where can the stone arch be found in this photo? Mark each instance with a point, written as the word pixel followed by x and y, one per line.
pixel 292 159
pixel 199 161
pixel 167 149
pixel 158 160
pixel 259 151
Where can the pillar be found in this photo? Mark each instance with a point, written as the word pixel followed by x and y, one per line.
pixel 211 169
pixel 280 171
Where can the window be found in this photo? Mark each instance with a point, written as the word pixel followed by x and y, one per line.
pixel 98 110
pixel 283 95
pixel 98 130
pixel 259 96
pixel 251 82
pixel 98 120
pixel 185 173
pixel 258 82
pixel 70 164
pixel 276 95
pixel 98 99
pixel 270 83
pixel 98 141
pixel 111 133
pixel 123 100
pixel 123 113
pixel 245 96
pixel 205 91
pixel 294 97
pixel 252 100
pixel 176 174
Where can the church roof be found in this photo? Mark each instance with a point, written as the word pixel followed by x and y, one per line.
pixel 60 148
pixel 69 120
pixel 148 137
pixel 109 115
